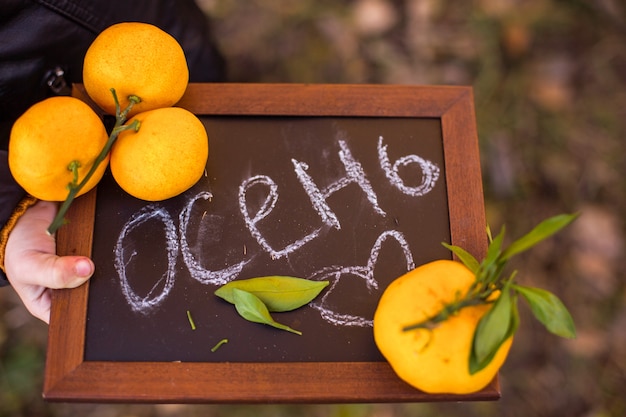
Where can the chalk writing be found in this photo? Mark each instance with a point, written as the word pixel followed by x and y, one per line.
pixel 265 209
pixel 149 301
pixel 177 237
pixel 430 171
pixel 365 272
pixel 354 174
pixel 198 272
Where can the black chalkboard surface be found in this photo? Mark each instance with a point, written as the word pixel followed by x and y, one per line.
pixel 350 184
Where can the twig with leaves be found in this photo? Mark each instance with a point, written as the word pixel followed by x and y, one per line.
pixel 502 320
pixel 74 187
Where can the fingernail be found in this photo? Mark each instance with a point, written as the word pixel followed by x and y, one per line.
pixel 83 268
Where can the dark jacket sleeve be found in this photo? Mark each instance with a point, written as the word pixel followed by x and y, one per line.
pixel 48 38
pixel 10 195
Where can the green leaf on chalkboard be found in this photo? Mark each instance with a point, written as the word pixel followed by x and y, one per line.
pixel 251 308
pixel 278 293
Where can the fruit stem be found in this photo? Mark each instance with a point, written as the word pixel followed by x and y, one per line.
pixel 74 188
pixel 487 282
pixel 472 298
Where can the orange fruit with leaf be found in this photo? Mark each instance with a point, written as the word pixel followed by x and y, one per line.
pixel 433 358
pixel 447 326
pixel 59 148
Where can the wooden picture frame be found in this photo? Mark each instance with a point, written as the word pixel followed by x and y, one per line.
pixel 69 377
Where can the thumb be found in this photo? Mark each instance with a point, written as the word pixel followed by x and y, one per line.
pixel 30 254
pixel 45 271
pixel 52 271
pixel 41 271
pixel 31 263
pixel 60 271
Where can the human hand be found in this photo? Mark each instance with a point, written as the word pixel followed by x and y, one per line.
pixel 31 263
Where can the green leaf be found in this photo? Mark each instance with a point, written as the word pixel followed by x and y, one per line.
pixel 467 258
pixel 492 265
pixel 493 329
pixel 542 231
pixel 495 247
pixel 549 310
pixel 489 235
pixel 251 308
pixel 278 293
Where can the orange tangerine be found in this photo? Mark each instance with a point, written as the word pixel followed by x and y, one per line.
pixel 164 158
pixel 433 360
pixel 135 59
pixel 47 138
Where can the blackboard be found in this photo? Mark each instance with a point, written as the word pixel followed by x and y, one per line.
pixel 345 183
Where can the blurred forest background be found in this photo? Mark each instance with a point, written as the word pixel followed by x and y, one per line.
pixel 549 79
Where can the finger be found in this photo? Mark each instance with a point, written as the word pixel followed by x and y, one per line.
pixel 37 268
pixel 36 299
pixel 30 257
pixel 40 272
